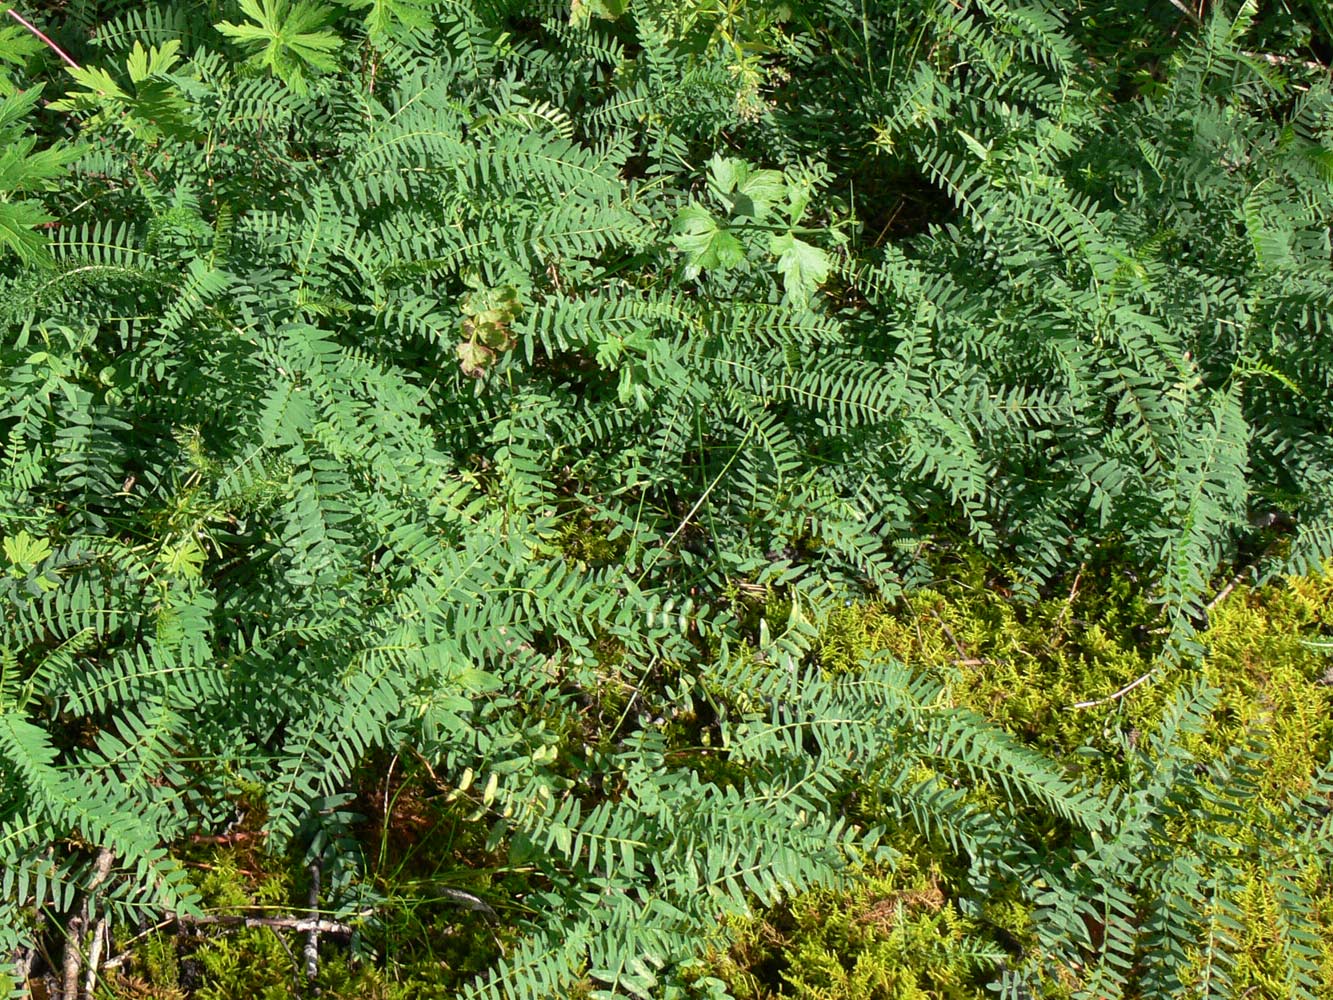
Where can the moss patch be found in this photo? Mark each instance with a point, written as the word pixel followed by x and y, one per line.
pixel 890 935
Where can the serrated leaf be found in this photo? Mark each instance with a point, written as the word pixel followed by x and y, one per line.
pixel 474 358
pixel 144 63
pixel 704 241
pixel 725 174
pixel 758 193
pixel 290 37
pixel 185 558
pixel 385 18
pixel 804 267
pixel 25 552
pixel 98 82
pixel 746 192
pixel 18 219
pixel 16 46
pixel 18 105
pixel 22 169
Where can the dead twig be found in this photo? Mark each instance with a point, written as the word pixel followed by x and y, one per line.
pixel 118 960
pixel 311 952
pixel 205 866
pixel 1117 695
pixel 467 900
pixel 95 946
pixel 22 963
pixel 892 218
pixel 311 924
pixel 1069 601
pixel 1180 6
pixel 72 962
pixel 1226 591
pixel 962 653
pixel 1274 59
pixel 302 925
pixel 227 839
pixel 1239 578
pixel 235 921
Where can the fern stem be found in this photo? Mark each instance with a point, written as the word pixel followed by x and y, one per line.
pixel 697 504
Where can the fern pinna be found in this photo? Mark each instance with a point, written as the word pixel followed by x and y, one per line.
pixel 333 332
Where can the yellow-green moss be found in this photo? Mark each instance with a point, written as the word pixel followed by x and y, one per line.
pixel 890 935
pixel 1271 682
pixel 1026 666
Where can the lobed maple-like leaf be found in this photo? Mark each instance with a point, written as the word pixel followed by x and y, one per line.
pixel 290 38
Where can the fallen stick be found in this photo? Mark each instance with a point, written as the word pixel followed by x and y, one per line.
pixel 302 925
pixel 230 921
pixel 229 838
pixel 311 951
pixel 95 946
pixel 72 962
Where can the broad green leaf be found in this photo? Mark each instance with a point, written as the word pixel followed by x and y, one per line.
pixel 704 242
pixel 385 18
pixel 144 63
pixel 581 11
pixel 759 192
pixel 725 174
pixel 289 37
pixel 799 194
pixel 18 219
pixel 25 552
pixel 804 267
pixel 745 192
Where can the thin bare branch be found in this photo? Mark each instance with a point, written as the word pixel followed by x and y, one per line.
pixel 302 925
pixel 1180 6
pixel 1273 59
pixel 1118 695
pixel 95 947
pixel 42 38
pixel 72 962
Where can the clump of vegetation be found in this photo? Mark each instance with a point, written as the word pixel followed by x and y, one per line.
pixel 567 480
pixel 888 936
pixel 1052 671
pixel 1029 666
pixel 913 928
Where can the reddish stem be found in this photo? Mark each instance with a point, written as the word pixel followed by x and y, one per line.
pixel 49 44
